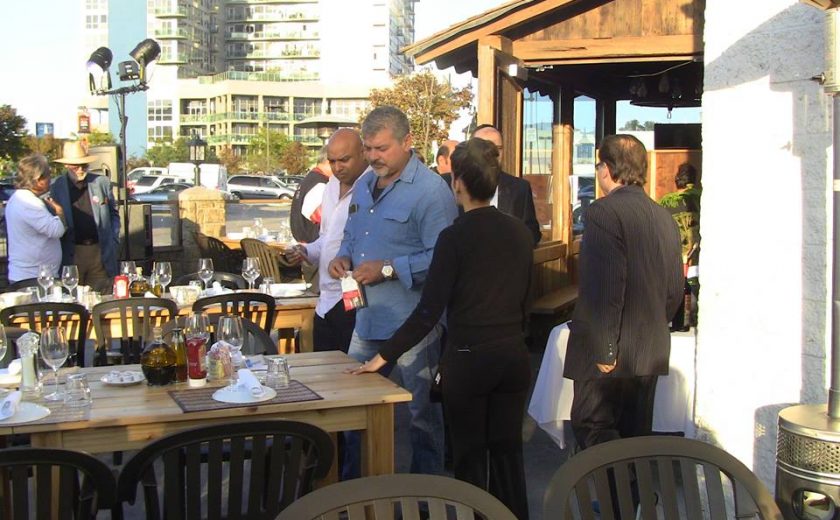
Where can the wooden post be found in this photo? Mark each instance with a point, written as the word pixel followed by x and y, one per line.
pixel 486 84
pixel 561 218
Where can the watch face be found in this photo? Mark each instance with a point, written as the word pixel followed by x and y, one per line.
pixel 387 270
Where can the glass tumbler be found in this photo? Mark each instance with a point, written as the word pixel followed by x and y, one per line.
pixel 277 375
pixel 77 391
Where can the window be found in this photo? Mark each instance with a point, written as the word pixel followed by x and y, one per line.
pixel 95 21
pixel 159 110
pixel 157 133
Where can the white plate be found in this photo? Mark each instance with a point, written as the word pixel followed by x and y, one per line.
pixel 9 379
pixel 27 412
pixel 107 380
pixel 287 290
pixel 226 395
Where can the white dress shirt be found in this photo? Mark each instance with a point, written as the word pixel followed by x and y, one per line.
pixel 33 236
pixel 334 210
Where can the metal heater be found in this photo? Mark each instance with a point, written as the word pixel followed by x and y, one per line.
pixel 808 449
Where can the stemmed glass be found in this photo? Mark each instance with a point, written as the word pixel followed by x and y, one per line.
pixel 70 277
pixel 229 331
pixel 54 351
pixel 205 270
pixel 163 270
pixel 3 342
pixel 45 279
pixel 251 270
pixel 128 268
pixel 197 326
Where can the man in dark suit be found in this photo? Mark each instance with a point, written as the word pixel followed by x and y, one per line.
pixel 631 283
pixel 93 222
pixel 513 196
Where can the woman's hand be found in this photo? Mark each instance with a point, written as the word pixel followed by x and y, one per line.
pixel 372 365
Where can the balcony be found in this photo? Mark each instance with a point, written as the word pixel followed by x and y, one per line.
pixel 172 34
pixel 279 17
pixel 273 35
pixel 173 59
pixel 239 75
pixel 179 11
pixel 310 140
pixel 230 139
pixel 194 118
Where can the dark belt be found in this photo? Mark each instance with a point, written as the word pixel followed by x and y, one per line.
pixel 88 242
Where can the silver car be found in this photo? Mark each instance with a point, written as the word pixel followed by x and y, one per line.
pixel 258 187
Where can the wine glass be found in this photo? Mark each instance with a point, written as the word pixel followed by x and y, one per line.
pixel 205 270
pixel 197 326
pixel 251 270
pixel 128 268
pixel 163 270
pixel 45 279
pixel 54 351
pixel 70 277
pixel 229 331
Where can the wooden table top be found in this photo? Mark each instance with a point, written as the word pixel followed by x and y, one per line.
pixel 323 372
pixel 234 243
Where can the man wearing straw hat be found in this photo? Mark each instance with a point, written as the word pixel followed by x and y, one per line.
pixel 93 223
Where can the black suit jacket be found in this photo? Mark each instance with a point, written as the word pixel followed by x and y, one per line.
pixel 516 200
pixel 631 283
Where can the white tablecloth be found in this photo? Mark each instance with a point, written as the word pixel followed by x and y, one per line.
pixel 551 402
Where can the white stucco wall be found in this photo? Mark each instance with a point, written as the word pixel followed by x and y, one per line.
pixel 765 223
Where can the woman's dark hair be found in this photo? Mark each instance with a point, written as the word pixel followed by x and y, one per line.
pixel 627 158
pixel 476 163
pixel 686 174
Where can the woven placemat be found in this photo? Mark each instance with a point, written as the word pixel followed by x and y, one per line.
pixel 201 399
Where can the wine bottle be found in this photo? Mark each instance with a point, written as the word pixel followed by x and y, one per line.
pixel 139 287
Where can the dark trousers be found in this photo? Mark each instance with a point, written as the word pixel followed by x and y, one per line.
pixel 484 394
pixel 612 408
pixel 334 330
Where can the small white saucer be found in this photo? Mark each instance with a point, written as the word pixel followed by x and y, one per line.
pixel 137 379
pixel 226 395
pixel 27 412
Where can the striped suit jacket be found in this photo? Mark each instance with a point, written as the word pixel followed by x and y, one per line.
pixel 631 284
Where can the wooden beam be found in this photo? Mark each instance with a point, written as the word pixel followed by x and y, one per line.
pixel 498 42
pixel 563 134
pixel 822 4
pixel 486 85
pixel 601 48
pixel 610 60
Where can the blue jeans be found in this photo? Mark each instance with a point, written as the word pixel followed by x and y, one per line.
pixel 415 369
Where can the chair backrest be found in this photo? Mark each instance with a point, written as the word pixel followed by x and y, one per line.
pixel 688 479
pixel 269 464
pixel 257 307
pixel 389 496
pixel 227 280
pixel 128 320
pixel 59 483
pixel 271 261
pixel 37 316
pixel 257 341
pixel 22 284
pixel 224 258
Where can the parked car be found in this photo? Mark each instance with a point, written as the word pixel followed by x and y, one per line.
pixel 258 187
pixel 7 189
pixel 147 183
pixel 290 181
pixel 162 193
pixel 135 174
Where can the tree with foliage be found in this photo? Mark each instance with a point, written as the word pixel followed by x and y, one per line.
pixel 100 138
pixel 47 145
pixel 635 126
pixel 295 158
pixel 431 107
pixel 233 163
pixel 166 151
pixel 12 132
pixel 136 162
pixel 266 149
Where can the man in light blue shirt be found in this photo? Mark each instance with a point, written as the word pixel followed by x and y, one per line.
pixel 396 214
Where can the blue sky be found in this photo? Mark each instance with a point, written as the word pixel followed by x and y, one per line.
pixel 42 40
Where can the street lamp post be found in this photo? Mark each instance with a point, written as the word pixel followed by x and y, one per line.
pixel 197 147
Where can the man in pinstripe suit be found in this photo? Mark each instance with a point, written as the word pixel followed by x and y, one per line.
pixel 631 283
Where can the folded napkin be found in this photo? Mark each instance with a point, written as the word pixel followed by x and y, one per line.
pixel 249 382
pixel 9 405
pixel 14 367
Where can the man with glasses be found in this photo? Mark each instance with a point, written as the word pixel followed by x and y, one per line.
pixel 513 196
pixel 93 223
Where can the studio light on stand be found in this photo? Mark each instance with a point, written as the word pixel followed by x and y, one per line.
pixel 99 78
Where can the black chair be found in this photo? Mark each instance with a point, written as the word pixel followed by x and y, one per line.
pixel 627 477
pixel 227 280
pixel 272 263
pixel 37 316
pixel 386 497
pixel 224 258
pixel 22 284
pixel 128 321
pixel 60 483
pixel 269 465
pixel 254 306
pixel 257 341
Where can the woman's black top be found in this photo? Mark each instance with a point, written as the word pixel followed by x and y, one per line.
pixel 480 273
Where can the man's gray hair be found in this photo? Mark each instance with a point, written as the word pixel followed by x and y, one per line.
pixel 322 155
pixel 386 117
pixel 30 170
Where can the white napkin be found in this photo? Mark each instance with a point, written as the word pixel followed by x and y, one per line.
pixel 149 294
pixel 14 367
pixel 9 405
pixel 249 382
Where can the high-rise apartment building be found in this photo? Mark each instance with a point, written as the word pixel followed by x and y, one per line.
pixel 228 67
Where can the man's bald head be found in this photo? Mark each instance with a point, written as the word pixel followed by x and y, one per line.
pixel 346 155
pixel 490 133
pixel 443 158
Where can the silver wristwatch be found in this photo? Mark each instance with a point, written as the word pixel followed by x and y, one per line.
pixel 388 270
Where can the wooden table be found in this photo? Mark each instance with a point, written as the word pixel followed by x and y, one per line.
pixel 234 243
pixel 126 418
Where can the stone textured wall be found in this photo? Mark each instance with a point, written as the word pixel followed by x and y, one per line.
pixel 762 335
pixel 201 210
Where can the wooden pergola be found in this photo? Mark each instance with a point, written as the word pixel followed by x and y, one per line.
pixel 604 49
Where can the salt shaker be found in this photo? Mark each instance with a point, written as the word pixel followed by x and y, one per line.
pixel 28 349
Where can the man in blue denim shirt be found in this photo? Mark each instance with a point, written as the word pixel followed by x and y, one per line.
pixel 395 216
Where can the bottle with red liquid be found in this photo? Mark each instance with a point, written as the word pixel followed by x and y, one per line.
pixel 121 286
pixel 196 360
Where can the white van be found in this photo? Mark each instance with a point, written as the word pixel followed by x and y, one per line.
pixel 135 174
pixel 183 170
pixel 213 176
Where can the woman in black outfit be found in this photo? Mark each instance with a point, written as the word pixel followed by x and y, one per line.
pixel 480 274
